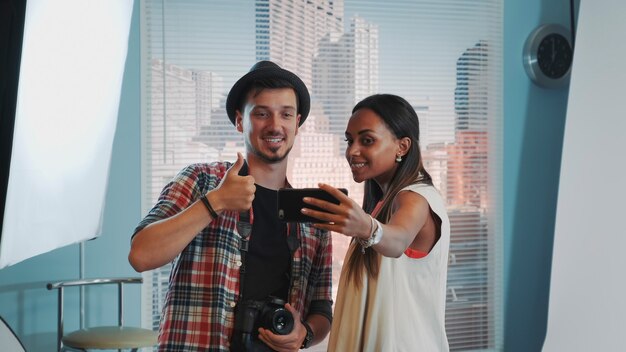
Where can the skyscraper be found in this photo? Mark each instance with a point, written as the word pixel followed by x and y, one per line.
pixel 345 70
pixel 467 164
pixel 466 191
pixel 289 32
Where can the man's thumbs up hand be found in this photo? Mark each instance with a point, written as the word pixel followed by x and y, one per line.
pixel 234 192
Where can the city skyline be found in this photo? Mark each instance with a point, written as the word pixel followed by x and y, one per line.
pixel 407 44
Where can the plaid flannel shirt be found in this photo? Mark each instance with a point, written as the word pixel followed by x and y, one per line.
pixel 198 312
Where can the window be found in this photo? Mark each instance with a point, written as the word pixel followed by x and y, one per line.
pixel 444 57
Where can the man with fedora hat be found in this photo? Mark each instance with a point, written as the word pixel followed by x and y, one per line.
pixel 217 222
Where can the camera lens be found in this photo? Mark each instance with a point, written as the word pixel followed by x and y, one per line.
pixel 281 321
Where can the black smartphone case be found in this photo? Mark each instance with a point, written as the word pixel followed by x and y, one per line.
pixel 290 202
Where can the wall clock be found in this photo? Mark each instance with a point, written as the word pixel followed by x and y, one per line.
pixel 548 55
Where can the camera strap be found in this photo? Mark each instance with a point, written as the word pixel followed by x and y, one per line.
pixel 244 227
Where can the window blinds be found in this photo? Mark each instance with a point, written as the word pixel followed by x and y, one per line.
pixel 444 57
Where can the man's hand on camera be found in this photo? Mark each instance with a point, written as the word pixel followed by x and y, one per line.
pixel 234 192
pixel 285 343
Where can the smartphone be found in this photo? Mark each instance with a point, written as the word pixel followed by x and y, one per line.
pixel 290 202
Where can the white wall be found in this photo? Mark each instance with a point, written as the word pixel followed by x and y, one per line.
pixel 587 310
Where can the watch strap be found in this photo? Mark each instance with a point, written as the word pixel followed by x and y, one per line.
pixel 308 339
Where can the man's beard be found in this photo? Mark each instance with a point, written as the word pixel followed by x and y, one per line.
pixel 267 158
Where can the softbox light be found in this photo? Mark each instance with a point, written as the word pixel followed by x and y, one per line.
pixel 72 64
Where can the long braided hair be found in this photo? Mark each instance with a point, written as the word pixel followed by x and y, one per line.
pixel 401 119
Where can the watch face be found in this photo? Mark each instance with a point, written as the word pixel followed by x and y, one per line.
pixel 554 55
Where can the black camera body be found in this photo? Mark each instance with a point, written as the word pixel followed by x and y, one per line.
pixel 250 315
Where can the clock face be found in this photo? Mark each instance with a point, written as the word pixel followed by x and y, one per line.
pixel 554 55
pixel 547 55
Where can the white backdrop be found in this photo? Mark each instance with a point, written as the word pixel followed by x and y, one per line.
pixel 73 57
pixel 587 310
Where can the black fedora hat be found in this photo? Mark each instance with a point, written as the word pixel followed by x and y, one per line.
pixel 263 70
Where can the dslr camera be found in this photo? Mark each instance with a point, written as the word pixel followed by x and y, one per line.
pixel 250 315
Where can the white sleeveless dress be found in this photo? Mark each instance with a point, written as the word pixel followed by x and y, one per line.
pixel 404 308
